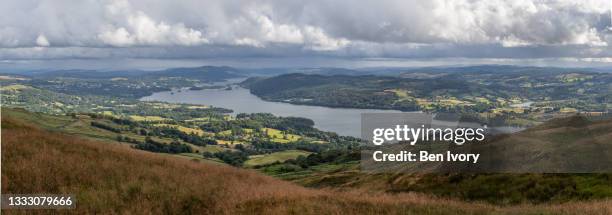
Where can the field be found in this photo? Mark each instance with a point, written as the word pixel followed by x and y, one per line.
pixel 112 178
pixel 475 90
pixel 82 125
pixel 274 157
pixel 14 87
pixel 277 136
pixel 184 129
pixel 147 118
pixel 402 94
pixel 228 142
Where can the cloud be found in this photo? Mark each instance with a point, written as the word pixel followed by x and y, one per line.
pixel 41 40
pixel 145 31
pixel 263 31
pixel 137 28
pixel 345 28
pixel 319 41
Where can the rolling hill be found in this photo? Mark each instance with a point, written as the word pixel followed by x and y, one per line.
pixel 522 168
pixel 113 178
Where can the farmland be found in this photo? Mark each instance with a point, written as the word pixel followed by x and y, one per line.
pixel 292 149
pixel 263 144
pixel 497 94
pixel 185 130
pixel 112 178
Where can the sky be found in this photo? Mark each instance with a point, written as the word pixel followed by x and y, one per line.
pixel 278 33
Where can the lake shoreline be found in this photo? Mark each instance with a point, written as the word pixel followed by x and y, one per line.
pixel 343 121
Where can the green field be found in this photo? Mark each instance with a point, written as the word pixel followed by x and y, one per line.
pixel 184 129
pixel 277 136
pixel 273 157
pixel 14 87
pixel 147 118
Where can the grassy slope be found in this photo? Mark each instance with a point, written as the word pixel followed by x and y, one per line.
pixel 81 126
pixel 274 157
pixel 113 178
pixel 495 188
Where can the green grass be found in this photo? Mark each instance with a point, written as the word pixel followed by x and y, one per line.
pixel 401 93
pixel 184 129
pixel 277 136
pixel 43 120
pixel 83 127
pixel 226 132
pixel 307 176
pixel 273 157
pixel 14 87
pixel 208 148
pixel 113 178
pixel 230 143
pixel 198 157
pixel 147 118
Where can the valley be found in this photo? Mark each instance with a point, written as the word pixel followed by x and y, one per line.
pixel 208 122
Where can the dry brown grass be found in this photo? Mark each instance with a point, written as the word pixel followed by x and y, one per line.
pixel 115 179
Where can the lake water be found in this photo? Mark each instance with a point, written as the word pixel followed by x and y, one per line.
pixel 344 121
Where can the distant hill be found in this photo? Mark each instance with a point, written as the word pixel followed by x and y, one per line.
pixel 208 73
pixel 464 89
pixel 107 177
pixel 81 73
pixel 408 71
pixel 285 82
pixel 229 72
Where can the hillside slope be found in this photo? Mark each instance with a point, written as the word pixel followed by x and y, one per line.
pixel 540 146
pixel 113 178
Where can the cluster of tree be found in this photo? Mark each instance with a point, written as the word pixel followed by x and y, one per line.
pixel 234 158
pixel 287 125
pixel 206 87
pixel 122 121
pixel 292 124
pixel 133 88
pixel 175 133
pixel 203 73
pixel 105 126
pixel 369 91
pixel 328 156
pixel 154 146
pixel 216 126
pixel 261 146
pixel 331 137
pixel 335 156
pixel 127 139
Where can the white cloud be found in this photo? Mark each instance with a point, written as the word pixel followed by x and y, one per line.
pixel 42 41
pixel 248 42
pixel 319 41
pixel 386 28
pixel 279 33
pixel 137 28
pixel 260 30
pixel 116 37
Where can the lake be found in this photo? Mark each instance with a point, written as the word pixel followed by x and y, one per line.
pixel 344 121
